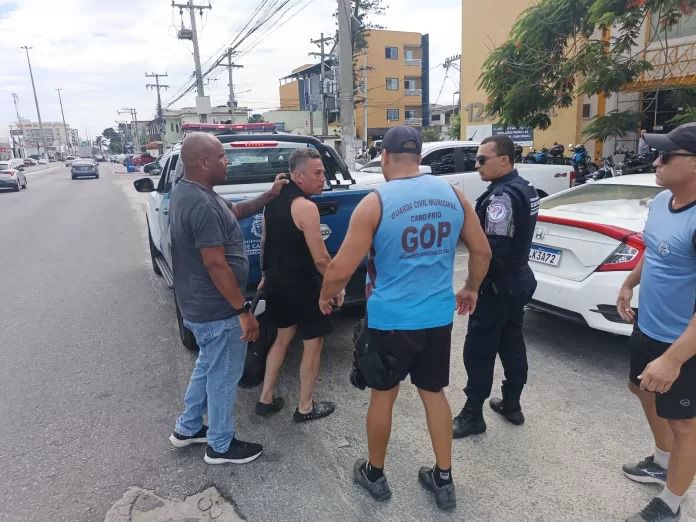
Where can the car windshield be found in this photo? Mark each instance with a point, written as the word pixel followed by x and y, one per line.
pixel 70 157
pixel 260 162
pixel 605 200
pixel 4 165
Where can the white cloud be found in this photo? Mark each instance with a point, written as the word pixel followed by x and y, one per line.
pixel 99 52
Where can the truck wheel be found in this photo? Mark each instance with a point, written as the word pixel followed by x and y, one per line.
pixel 186 335
pixel 153 254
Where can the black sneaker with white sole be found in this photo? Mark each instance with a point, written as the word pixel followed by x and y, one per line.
pixel 445 497
pixel 647 471
pixel 239 452
pixel 181 441
pixel 656 511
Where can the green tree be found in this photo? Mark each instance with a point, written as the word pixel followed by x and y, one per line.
pixel 559 49
pixel 455 126
pixel 430 134
pixel 111 134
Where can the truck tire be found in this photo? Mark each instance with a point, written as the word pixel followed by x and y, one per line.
pixel 153 254
pixel 186 335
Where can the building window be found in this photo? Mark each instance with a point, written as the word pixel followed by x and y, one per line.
pixel 435 118
pixel 409 54
pixel 410 84
pixel 391 53
pixel 410 114
pixel 392 84
pixel 392 114
pixel 686 26
pixel 171 126
pixel 586 109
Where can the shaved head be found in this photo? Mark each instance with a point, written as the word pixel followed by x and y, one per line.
pixel 204 159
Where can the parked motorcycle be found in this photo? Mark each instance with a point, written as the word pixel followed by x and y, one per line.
pixel 609 169
pixel 583 165
pixel 637 163
pixel 557 155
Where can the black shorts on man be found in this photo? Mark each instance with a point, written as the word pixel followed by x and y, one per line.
pixel 300 307
pixel 680 401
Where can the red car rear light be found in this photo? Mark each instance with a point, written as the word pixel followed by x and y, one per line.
pixel 253 144
pixel 626 256
pixel 573 178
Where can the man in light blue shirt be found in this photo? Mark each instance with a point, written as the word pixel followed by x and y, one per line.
pixel 663 344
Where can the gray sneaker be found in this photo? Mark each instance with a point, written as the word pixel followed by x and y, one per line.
pixel 445 497
pixel 646 472
pixel 656 511
pixel 379 489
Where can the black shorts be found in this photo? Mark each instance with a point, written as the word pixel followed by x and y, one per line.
pixel 680 401
pixel 299 308
pixel 424 354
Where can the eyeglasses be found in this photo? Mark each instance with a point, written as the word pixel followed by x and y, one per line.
pixel 481 160
pixel 665 157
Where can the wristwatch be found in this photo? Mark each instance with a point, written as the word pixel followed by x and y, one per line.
pixel 245 309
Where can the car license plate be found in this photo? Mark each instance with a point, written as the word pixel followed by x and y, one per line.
pixel 545 255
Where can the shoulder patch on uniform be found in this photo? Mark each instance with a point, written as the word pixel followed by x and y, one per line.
pixel 499 216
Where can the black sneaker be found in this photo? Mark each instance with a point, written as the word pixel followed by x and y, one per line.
pixel 445 497
pixel 181 441
pixel 656 511
pixel 468 423
pixel 379 489
pixel 319 411
pixel 515 417
pixel 239 452
pixel 646 472
pixel 266 410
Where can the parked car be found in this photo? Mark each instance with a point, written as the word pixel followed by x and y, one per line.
pixel 43 161
pixel 99 158
pixel 30 162
pixel 69 161
pixel 586 242
pixel 11 178
pixel 84 168
pixel 254 161
pixel 455 161
pixel 142 159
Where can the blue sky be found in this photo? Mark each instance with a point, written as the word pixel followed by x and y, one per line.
pixel 99 52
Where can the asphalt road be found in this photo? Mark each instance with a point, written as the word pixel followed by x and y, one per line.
pixel 92 376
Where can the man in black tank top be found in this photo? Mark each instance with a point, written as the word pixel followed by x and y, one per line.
pixel 294 259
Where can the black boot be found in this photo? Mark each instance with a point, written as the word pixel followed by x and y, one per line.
pixel 509 406
pixel 468 422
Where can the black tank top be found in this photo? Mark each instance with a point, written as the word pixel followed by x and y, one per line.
pixel 287 262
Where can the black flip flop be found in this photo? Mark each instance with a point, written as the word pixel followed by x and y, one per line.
pixel 265 410
pixel 319 411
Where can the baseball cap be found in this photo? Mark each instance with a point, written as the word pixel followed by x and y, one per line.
pixel 397 139
pixel 683 137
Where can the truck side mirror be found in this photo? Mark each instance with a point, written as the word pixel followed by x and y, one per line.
pixel 144 185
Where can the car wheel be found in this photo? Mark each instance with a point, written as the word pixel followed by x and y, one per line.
pixel 18 187
pixel 73 177
pixel 186 335
pixel 153 254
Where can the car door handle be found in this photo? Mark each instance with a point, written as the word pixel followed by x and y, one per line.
pixel 165 211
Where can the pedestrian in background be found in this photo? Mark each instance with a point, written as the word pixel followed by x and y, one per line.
pixel 663 345
pixel 409 227
pixel 294 260
pixel 210 276
pixel 507 211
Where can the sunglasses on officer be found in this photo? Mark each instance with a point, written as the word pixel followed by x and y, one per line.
pixel 481 160
pixel 665 157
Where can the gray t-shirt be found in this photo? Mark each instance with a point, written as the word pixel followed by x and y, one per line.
pixel 199 218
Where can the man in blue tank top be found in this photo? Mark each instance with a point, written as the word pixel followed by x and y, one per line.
pixel 663 344
pixel 409 227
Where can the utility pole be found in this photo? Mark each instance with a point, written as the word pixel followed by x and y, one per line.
pixel 230 67
pixel 134 118
pixel 65 127
pixel 160 117
pixel 194 38
pixel 322 81
pixel 364 76
pixel 345 58
pixel 19 124
pixel 36 101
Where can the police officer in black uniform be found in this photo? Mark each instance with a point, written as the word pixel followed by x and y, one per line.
pixel 508 211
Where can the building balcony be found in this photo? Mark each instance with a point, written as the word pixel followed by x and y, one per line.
pixel 413 92
pixel 413 121
pixel 414 61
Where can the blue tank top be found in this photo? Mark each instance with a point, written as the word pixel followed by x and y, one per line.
pixel 411 263
pixel 667 299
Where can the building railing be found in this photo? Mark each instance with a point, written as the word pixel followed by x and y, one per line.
pixel 414 121
pixel 414 61
pixel 413 92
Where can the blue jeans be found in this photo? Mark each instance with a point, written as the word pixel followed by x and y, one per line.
pixel 213 384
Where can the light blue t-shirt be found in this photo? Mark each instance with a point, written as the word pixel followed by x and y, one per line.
pixel 411 264
pixel 668 281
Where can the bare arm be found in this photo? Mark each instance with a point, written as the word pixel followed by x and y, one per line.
pixel 226 282
pixel 305 214
pixel 623 303
pixel 354 248
pixel 249 207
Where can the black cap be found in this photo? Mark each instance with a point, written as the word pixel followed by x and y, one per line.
pixel 683 137
pixel 397 139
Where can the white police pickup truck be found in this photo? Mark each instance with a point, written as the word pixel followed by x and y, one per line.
pixel 254 161
pixel 455 162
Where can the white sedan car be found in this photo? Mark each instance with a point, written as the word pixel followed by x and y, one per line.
pixel 587 240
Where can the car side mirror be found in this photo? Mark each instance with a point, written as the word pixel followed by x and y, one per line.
pixel 144 185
